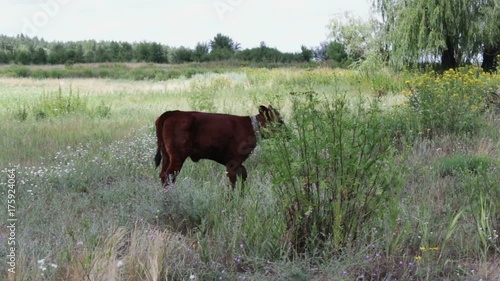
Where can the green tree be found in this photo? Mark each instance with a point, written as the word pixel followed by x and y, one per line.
pixel 4 58
pixel 200 52
pixel 490 29
pixel 223 47
pixel 23 57
pixel 57 54
pixel 79 54
pixel 74 53
pixel 332 50
pixel 336 52
pixel 359 38
pixel 142 52
pixel 150 52
pixel 90 48
pixel 306 53
pixel 115 51
pixel 181 55
pixel 221 54
pixel 262 53
pixel 102 54
pixel 40 56
pixel 156 53
pixel 320 52
pixel 127 52
pixel 449 31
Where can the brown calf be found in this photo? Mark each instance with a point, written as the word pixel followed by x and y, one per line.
pixel 223 138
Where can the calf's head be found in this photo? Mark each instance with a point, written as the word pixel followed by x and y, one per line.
pixel 270 119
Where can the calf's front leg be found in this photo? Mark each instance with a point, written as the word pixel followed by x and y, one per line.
pixel 235 170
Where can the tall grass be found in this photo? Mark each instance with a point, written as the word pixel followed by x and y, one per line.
pixel 56 104
pixel 356 192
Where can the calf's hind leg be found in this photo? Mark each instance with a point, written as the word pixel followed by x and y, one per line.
pixel 164 167
pixel 173 169
pixel 178 143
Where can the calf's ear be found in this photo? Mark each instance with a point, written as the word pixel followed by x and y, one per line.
pixel 263 110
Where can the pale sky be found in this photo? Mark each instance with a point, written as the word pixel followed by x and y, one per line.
pixel 284 24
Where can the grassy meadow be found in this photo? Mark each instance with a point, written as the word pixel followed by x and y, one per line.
pixel 382 176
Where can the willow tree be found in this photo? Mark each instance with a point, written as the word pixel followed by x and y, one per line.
pixel 449 31
pixel 359 37
pixel 490 31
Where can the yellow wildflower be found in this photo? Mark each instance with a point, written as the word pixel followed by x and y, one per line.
pixel 424 249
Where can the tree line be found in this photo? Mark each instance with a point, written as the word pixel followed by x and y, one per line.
pixel 408 34
pixel 24 50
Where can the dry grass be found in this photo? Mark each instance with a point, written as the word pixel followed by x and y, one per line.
pixel 145 253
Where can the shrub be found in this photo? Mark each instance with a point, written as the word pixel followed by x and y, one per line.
pixel 21 72
pixel 334 174
pixel 138 74
pixel 460 163
pixel 449 103
pixel 56 73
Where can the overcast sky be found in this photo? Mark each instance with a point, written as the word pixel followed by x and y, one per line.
pixel 284 24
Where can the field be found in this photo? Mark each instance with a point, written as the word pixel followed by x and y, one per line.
pixel 383 176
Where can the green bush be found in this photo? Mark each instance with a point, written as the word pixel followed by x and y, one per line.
pixel 460 163
pixel 335 173
pixel 57 73
pixel 449 103
pixel 21 72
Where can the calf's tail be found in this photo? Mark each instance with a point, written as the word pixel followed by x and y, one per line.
pixel 158 157
pixel 159 138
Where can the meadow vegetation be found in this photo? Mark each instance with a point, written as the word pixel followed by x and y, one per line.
pixel 378 176
pixel 131 71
